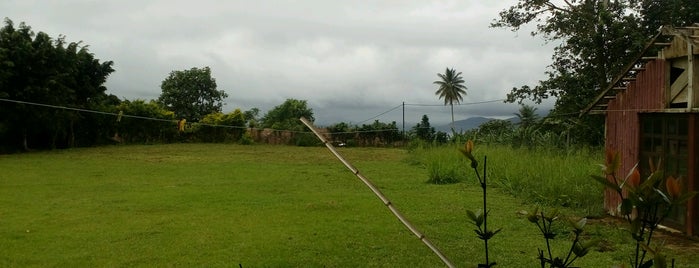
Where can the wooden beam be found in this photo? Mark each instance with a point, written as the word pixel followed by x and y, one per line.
pixel 679 87
pixel 662 44
pixel 690 77
pixel 619 76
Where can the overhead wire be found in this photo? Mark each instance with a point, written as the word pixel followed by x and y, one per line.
pixel 383 113
pixel 458 104
pixel 175 121
pixel 120 114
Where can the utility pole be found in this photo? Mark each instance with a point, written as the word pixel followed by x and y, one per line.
pixel 403 121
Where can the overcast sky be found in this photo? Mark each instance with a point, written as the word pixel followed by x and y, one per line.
pixel 351 60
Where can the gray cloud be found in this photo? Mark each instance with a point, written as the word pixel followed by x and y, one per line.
pixel 351 60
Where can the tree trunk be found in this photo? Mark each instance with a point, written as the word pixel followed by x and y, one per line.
pixel 453 132
pixel 25 144
pixel 71 137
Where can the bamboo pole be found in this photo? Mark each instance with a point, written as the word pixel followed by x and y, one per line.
pixel 378 194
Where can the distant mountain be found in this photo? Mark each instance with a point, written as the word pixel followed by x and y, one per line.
pixel 469 123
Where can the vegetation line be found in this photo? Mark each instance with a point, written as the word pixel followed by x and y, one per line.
pixel 378 193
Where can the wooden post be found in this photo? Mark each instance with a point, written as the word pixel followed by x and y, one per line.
pixel 690 76
pixel 692 175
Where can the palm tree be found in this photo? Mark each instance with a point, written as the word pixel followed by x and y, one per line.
pixel 527 116
pixel 451 87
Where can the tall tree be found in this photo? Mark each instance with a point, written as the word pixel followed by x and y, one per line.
pixel 527 116
pixel 251 116
pixel 423 130
pixel 451 87
pixel 286 115
pixel 656 13
pixel 191 94
pixel 39 69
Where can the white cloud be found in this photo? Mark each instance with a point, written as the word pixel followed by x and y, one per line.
pixel 350 59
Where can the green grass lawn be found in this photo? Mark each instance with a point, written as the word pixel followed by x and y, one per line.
pixel 214 205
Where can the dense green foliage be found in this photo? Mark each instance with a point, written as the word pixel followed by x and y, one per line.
pixel 423 132
pixel 375 134
pixel 137 130
pixel 37 68
pixel 267 206
pixel 286 115
pixel 54 97
pixel 530 132
pixel 560 178
pixel 191 94
pixel 220 127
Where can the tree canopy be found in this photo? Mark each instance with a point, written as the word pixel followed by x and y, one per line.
pixel 286 115
pixel 423 130
pixel 527 116
pixel 39 69
pixel 191 94
pixel 450 88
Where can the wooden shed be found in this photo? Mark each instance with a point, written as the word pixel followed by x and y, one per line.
pixel 652 111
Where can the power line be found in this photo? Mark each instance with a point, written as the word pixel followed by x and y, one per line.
pixel 174 121
pixel 458 104
pixel 87 111
pixel 388 111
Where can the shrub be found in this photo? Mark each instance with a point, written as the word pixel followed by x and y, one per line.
pixel 246 139
pixel 445 168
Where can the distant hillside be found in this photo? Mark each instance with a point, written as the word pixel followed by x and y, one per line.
pixel 468 124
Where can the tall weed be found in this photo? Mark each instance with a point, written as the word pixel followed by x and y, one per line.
pixel 549 177
pixel 444 164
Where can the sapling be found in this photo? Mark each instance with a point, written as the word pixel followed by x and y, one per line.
pixel 480 218
pixel 577 249
pixel 644 205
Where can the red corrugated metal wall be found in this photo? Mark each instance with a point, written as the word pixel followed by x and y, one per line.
pixel 645 94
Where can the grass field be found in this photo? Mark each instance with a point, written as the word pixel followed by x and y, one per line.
pixel 213 205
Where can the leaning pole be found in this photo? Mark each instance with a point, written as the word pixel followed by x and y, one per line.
pixel 378 194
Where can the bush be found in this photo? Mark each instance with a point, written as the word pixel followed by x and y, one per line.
pixel 306 140
pixel 444 164
pixel 246 139
pixel 445 172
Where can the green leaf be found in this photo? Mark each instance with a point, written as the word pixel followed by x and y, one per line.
pixel 533 217
pixel 476 217
pixel 682 199
pixel 591 243
pixel 497 231
pixel 652 181
pixel 579 250
pixel 605 182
